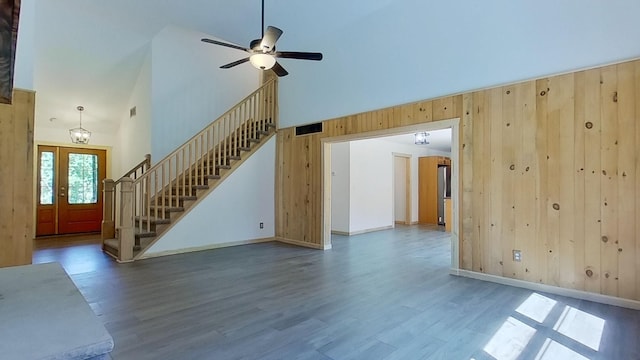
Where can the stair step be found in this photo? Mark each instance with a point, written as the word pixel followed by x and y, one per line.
pixel 152 219
pixel 112 247
pixel 144 234
pixel 111 243
pixel 223 166
pixel 167 211
pixel 177 193
pixel 180 188
pixel 206 177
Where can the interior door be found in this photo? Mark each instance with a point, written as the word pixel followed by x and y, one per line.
pixel 70 190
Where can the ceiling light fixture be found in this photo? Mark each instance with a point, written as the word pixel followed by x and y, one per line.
pixel 80 135
pixel 262 61
pixel 421 138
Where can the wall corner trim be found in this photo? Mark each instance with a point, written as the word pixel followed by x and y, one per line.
pixel 577 294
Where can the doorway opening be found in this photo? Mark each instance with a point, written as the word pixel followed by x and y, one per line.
pixel 361 183
pixel 69 190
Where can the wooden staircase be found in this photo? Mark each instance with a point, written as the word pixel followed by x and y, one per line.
pixel 139 211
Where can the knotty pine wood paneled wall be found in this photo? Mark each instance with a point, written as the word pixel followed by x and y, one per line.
pixel 16 179
pixel 550 167
pixel 555 174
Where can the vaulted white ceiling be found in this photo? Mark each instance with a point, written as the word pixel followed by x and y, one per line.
pixel 378 53
pixel 89 52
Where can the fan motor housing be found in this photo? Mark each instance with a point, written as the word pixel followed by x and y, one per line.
pixel 255 45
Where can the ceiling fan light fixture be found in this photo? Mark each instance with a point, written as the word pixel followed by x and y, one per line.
pixel 262 61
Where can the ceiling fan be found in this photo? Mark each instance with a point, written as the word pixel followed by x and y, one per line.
pixel 263 52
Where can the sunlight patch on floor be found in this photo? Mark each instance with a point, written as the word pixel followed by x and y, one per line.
pixel 552 350
pixel 509 341
pixel 580 326
pixel 536 307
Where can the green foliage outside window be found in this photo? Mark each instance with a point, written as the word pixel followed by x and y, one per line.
pixel 83 179
pixel 46 178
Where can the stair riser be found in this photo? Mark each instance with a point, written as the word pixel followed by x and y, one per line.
pixel 167 203
pixel 169 215
pixel 186 191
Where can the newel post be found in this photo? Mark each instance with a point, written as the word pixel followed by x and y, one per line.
pixel 108 229
pixel 147 160
pixel 126 233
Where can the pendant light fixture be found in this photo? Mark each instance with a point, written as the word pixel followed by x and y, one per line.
pixel 421 138
pixel 80 135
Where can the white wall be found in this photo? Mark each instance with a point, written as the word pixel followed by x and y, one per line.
pixel 371 201
pixel 60 135
pixel 134 134
pixel 411 50
pixel 340 169
pixel 189 89
pixel 232 212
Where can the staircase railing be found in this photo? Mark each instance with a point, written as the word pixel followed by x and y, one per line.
pixel 151 197
pixel 110 207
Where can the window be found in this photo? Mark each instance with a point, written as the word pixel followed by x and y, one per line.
pixel 46 178
pixel 83 179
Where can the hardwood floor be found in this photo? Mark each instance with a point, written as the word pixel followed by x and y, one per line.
pixel 382 295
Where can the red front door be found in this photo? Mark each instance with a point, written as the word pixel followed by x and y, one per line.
pixel 70 190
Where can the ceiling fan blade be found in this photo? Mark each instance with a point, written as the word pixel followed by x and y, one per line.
pixel 233 46
pixel 232 64
pixel 279 70
pixel 270 37
pixel 298 55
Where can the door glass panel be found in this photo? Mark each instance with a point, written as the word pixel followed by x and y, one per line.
pixel 46 178
pixel 83 179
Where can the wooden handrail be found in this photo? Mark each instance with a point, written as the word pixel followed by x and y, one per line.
pixel 233 109
pixel 142 166
pixel 163 187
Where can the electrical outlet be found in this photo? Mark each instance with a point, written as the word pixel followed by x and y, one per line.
pixel 517 255
pixel 261 225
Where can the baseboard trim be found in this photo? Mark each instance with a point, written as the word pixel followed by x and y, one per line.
pixel 303 244
pixel 206 247
pixel 577 294
pixel 359 232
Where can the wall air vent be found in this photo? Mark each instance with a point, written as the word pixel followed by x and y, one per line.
pixel 132 112
pixel 309 129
